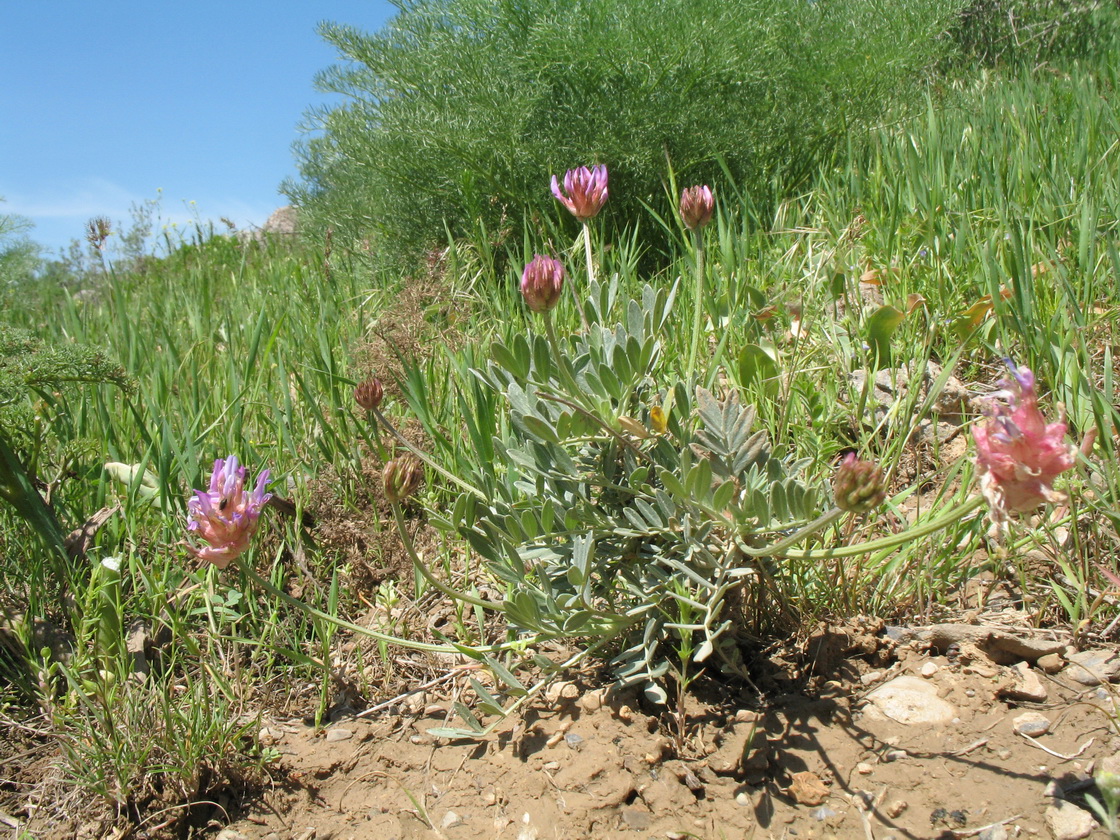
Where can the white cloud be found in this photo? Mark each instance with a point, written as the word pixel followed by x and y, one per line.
pixel 60 212
pixel 90 197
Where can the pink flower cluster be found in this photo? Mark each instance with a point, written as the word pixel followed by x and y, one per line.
pixel 1018 453
pixel 225 517
pixel 586 189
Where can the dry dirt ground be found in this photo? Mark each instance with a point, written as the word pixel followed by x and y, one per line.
pixel 816 757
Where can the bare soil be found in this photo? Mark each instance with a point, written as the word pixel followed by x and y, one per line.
pixel 810 758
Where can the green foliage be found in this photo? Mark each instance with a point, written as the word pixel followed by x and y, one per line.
pixel 1030 31
pixel 458 110
pixel 601 523
pixel 19 256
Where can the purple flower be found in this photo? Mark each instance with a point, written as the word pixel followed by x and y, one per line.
pixel 226 516
pixel 697 206
pixel 1018 453
pixel 586 190
pixel 541 283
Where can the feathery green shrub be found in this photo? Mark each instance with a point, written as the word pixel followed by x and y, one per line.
pixel 457 107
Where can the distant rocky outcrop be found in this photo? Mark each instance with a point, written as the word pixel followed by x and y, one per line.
pixel 284 221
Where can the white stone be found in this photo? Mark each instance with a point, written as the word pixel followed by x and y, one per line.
pixel 910 700
pixel 450 820
pixel 1068 822
pixel 929 669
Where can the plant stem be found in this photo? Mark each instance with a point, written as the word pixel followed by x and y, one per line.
pixel 303 606
pixel 697 302
pixel 909 535
pixel 821 522
pixel 427 574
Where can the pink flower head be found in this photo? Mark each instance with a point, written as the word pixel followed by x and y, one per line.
pixel 226 516
pixel 1018 453
pixel 541 283
pixel 586 190
pixel 697 206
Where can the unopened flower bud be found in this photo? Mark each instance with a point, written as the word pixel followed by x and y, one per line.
pixel 858 485
pixel 541 283
pixel 402 477
pixel 697 206
pixel 368 394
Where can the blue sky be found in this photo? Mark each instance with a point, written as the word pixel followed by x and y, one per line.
pixel 107 104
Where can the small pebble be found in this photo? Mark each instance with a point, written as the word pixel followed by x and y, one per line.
pixel 741 798
pixel 894 755
pixel 929 669
pixel 573 740
pixel 592 701
pixel 822 813
pixel 636 818
pixel 1004 754
pixel 625 714
pixel 550 766
pixel 864 769
pixel 1051 663
pixel 451 819
pixel 268 737
pixel 339 735
pixel 1031 723
pixel 871 677
pixel 434 710
pixel 746 716
pixel 895 808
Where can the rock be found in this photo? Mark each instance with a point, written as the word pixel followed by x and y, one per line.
pixel 284 220
pixel 870 677
pixel 1025 685
pixel 1031 723
pixel 910 700
pixel 895 808
pixel 996 832
pixel 636 818
pixel 1092 667
pixel 1051 663
pixel 864 769
pixel 230 834
pixel 1068 822
pixel 929 669
pixel 339 735
pixel 592 701
pixel 450 820
pixel 995 642
pixel 269 736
